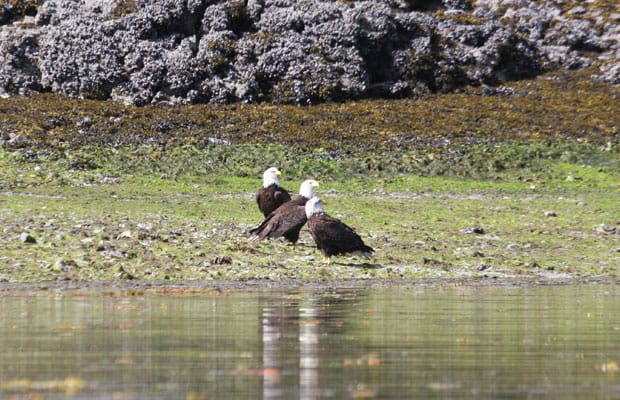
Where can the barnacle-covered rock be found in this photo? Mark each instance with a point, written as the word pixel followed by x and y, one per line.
pixel 196 51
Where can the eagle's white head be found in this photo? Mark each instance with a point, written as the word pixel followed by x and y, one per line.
pixel 270 177
pixel 314 206
pixel 306 188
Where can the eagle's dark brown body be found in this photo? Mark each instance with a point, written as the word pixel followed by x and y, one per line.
pixel 270 198
pixel 333 237
pixel 286 221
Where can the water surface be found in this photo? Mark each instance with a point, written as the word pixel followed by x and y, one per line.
pixel 385 343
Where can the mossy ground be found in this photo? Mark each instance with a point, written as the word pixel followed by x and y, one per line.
pixel 521 187
pixel 90 226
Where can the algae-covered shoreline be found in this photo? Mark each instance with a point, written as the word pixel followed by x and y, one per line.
pixel 422 228
pixel 460 188
pixel 563 106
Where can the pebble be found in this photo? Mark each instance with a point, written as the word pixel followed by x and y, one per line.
pixel 25 237
pixel 125 235
pixel 62 266
pixel 477 230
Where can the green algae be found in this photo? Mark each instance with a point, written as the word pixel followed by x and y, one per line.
pixel 449 186
pixel 532 161
pixel 560 223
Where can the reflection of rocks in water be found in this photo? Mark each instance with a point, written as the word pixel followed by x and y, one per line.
pixel 292 327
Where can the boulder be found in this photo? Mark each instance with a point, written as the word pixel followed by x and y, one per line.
pixel 287 51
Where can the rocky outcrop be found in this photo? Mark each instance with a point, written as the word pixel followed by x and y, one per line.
pixel 191 51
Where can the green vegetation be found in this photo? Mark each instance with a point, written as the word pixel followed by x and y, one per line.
pixel 114 221
pixel 452 186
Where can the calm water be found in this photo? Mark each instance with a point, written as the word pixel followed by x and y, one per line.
pixel 387 343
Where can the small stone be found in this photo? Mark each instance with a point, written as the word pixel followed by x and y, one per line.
pixel 146 226
pixel 62 266
pixel 25 237
pixel 477 230
pixel 608 230
pixel 84 122
pixel 550 214
pixel 125 235
pixel 217 141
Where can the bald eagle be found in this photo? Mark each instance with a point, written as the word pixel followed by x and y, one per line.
pixel 332 236
pixel 288 219
pixel 271 195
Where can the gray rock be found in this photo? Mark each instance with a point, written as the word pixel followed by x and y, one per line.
pixel 63 265
pixel 192 51
pixel 25 237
